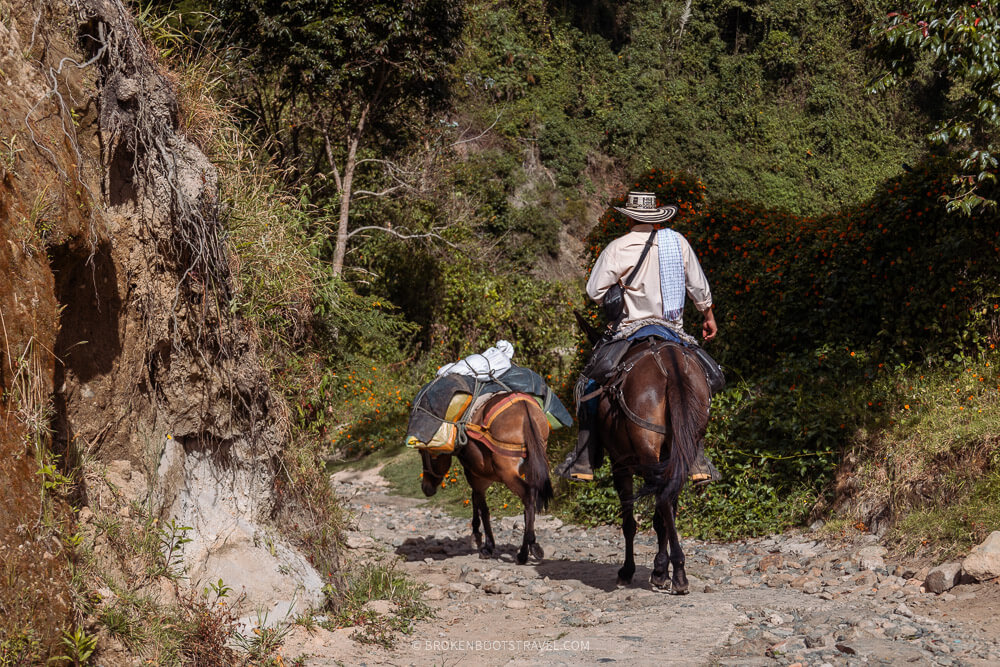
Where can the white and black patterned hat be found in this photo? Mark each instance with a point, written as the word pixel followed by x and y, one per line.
pixel 641 207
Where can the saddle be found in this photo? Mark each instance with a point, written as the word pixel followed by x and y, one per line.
pixel 605 373
pixel 605 361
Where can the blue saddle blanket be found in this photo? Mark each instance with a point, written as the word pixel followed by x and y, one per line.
pixel 659 331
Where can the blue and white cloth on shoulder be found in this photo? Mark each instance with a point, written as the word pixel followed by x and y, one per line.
pixel 672 279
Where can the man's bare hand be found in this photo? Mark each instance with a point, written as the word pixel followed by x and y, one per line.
pixel 709 328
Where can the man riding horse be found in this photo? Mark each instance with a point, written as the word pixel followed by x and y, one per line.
pixel 643 297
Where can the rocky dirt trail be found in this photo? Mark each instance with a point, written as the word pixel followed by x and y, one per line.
pixel 777 601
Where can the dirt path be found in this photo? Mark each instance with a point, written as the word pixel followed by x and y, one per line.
pixel 781 600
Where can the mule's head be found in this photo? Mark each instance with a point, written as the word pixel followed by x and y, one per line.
pixel 593 334
pixel 435 468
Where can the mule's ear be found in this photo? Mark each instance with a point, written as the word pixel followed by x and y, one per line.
pixel 593 335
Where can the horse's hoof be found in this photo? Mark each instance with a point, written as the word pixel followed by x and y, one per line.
pixel 679 591
pixel 625 577
pixel 623 583
pixel 486 554
pixel 522 557
pixel 536 552
pixel 659 582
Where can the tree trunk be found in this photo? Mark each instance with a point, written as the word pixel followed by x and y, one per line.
pixel 340 249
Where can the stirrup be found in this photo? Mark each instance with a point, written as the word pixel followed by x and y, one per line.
pixel 575 470
pixel 701 478
pixel 706 471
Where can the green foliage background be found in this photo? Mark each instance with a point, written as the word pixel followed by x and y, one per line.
pixel 815 207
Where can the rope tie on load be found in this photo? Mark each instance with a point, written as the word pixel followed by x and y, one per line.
pixel 460 424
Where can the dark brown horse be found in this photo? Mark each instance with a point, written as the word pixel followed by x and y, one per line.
pixel 650 419
pixel 522 424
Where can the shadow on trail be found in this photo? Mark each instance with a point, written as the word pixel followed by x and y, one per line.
pixel 602 576
pixel 420 548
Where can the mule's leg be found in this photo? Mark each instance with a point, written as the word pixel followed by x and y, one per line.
pixel 529 498
pixel 535 550
pixel 482 511
pixel 476 520
pixel 623 486
pixel 476 534
pixel 528 543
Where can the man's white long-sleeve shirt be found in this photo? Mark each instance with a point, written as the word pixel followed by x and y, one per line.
pixel 642 297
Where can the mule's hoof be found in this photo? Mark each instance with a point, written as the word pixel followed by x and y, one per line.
pixel 623 583
pixel 536 552
pixel 522 557
pixel 660 583
pixel 486 554
pixel 679 591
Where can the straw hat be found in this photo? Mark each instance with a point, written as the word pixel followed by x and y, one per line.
pixel 641 207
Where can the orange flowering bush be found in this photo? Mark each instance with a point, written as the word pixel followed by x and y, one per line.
pixel 898 276
pixel 812 313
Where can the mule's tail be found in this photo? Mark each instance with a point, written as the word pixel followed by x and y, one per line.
pixel 537 473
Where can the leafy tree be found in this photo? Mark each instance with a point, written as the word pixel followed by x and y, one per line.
pixel 960 42
pixel 325 75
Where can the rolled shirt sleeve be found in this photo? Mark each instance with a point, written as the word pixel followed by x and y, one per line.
pixel 606 272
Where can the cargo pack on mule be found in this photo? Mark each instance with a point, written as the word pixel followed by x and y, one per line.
pixel 448 410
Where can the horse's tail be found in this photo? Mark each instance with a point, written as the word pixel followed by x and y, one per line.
pixel 683 403
pixel 537 473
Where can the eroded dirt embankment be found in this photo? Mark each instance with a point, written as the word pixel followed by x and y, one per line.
pixel 119 360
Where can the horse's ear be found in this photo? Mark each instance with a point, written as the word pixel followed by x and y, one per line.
pixel 593 335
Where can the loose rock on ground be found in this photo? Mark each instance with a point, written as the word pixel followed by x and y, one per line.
pixel 781 600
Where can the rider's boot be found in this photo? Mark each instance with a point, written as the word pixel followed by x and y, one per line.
pixel 702 471
pixel 576 467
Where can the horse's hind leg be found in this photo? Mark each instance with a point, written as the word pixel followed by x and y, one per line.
pixel 661 562
pixel 623 486
pixel 679 580
pixel 666 509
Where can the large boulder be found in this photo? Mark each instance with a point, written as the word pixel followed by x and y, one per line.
pixel 983 562
pixel 943 577
pixel 871 557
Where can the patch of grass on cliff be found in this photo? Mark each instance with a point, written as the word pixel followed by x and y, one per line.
pixel 934 471
pixel 380 581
